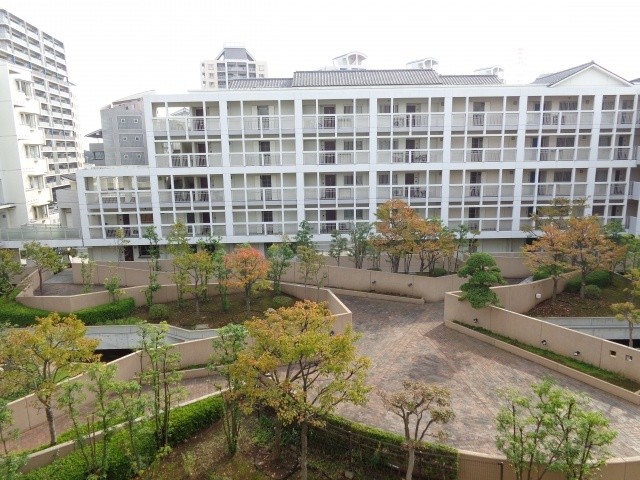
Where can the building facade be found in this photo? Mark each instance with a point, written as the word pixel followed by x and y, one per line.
pixel 24 45
pixel 233 62
pixel 24 196
pixel 251 162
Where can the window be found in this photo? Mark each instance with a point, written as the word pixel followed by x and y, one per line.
pixel 604 141
pixel 348 145
pixel 565 142
pixel 383 179
pixel 267 216
pixel 348 214
pixel 601 175
pixel 144 251
pixel 569 105
pixel 562 176
pixel 359 214
pixel 146 218
pixel 386 108
pixel 626 104
pixel 348 179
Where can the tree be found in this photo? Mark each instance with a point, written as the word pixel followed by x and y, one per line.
pixel 590 248
pixel 483 273
pixel 629 311
pixel 121 242
pixel 433 243
pixel 550 253
pixel 415 401
pixel 248 270
pixel 9 267
pixel 178 247
pixel 44 258
pixel 280 255
pixel 10 463
pixel 558 212
pixel 221 272
pixel 39 357
pixel 199 266
pixel 551 429
pixel 359 243
pixel 311 264
pixel 132 405
pixel 162 376
pixel 230 342
pixel 464 241
pixel 396 232
pixel 300 368
pixel 86 272
pixel 112 285
pixel 151 235
pixel 304 237
pixel 339 245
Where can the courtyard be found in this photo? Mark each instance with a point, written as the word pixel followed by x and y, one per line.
pixel 406 341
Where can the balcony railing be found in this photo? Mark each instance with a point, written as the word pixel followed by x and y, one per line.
pixel 556 154
pixel 189 160
pixel 484 225
pixel 39 233
pixel 407 122
pixel 188 197
pixel 410 156
pixel 270 194
pixel 484 120
pixel 560 119
pixel 620 119
pixel 335 157
pixel 336 123
pixel 180 126
pixel 554 190
pixel 263 159
pixel 483 155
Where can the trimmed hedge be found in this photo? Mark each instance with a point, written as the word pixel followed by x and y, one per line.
pixel 281 301
pixel 107 312
pixel 19 315
pixel 185 422
pixel 600 278
pixel 158 312
pixel 439 272
pixel 592 291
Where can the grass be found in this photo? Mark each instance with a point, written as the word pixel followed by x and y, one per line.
pixel 211 312
pixel 571 305
pixel 596 372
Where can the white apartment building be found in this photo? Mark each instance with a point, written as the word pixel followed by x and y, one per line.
pixel 250 162
pixel 233 62
pixel 24 196
pixel 24 45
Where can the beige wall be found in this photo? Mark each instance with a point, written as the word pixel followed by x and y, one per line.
pixel 430 289
pixel 593 350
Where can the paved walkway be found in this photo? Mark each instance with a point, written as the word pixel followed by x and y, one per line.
pixel 410 342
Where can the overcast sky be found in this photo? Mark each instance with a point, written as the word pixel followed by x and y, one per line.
pixel 116 48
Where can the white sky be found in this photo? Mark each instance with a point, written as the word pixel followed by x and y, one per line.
pixel 117 48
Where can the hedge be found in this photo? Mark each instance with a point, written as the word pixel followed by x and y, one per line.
pixel 600 278
pixel 107 312
pixel 184 423
pixel 19 315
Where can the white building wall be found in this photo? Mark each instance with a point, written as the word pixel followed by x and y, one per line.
pixel 484 156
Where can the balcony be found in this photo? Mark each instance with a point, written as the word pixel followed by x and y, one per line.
pixel 39 233
pixel 556 154
pixel 410 156
pixel 189 160
pixel 552 190
pixel 260 124
pixel 340 194
pixel 479 121
pixel 186 126
pixel 611 190
pixel 255 196
pixel 410 122
pixel 617 119
pixel 481 191
pixel 484 225
pixel 359 157
pixel 554 120
pixel 190 198
pixel 483 155
pixel 263 159
pixel 335 123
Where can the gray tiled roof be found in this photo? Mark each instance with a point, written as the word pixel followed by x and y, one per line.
pixel 364 78
pixel 553 78
pixel 235 53
pixel 471 80
pixel 250 83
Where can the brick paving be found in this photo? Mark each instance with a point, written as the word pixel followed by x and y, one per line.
pixel 407 341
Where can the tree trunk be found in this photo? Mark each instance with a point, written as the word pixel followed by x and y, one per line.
pixel 247 294
pixel 41 284
pixel 555 289
pixel 631 334
pixel 52 426
pixel 582 285
pixel 277 440
pixel 411 462
pixel 304 431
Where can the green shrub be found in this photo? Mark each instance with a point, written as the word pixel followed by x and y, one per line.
pixel 185 422
pixel 592 291
pixel 19 315
pixel 573 284
pixel 601 278
pixel 439 272
pixel 108 312
pixel 281 301
pixel 541 274
pixel 158 312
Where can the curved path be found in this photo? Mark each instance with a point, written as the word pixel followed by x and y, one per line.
pixel 406 341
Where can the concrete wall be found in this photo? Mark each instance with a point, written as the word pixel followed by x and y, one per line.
pixel 430 289
pixel 595 351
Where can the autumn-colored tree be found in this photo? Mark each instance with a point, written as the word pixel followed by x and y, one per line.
pixel 396 232
pixel 248 270
pixel 9 267
pixel 45 259
pixel 300 368
pixel 10 463
pixel 433 243
pixel 280 255
pixel 38 357
pixel 590 249
pixel 549 253
pixel 629 311
pixel 483 273
pixel 418 401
